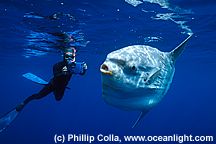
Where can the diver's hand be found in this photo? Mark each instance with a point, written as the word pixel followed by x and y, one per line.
pixel 85 67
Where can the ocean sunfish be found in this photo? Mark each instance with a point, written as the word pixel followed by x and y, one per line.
pixel 137 77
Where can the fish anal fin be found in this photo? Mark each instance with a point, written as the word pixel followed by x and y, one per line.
pixel 141 115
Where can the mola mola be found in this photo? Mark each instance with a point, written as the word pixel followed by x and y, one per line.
pixel 137 77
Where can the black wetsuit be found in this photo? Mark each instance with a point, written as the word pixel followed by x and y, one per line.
pixel 57 84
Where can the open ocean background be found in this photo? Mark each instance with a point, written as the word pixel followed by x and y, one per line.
pixel 31 41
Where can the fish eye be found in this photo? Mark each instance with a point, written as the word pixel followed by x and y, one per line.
pixel 130 69
pixel 133 68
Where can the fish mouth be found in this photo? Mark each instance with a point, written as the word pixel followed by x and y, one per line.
pixel 105 70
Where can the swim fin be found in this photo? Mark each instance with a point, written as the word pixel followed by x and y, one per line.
pixel 36 79
pixel 7 119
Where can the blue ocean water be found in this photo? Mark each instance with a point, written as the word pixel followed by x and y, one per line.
pixel 31 41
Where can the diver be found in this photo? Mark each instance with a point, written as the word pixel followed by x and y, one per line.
pixel 62 73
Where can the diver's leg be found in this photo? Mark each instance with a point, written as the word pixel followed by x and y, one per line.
pixel 59 93
pixel 44 92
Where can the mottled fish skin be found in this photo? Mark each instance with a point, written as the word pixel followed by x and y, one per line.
pixel 141 77
pixel 137 77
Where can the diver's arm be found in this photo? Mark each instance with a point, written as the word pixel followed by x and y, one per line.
pixel 56 69
pixel 60 69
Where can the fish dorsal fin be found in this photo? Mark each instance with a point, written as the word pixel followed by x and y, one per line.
pixel 142 114
pixel 179 49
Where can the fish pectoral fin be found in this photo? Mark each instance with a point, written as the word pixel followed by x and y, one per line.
pixel 142 114
pixel 152 75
